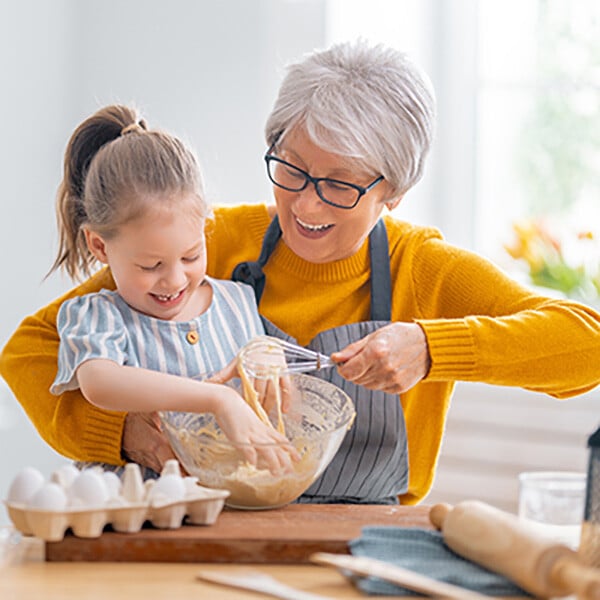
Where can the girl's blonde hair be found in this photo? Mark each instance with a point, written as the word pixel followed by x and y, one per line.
pixel 114 168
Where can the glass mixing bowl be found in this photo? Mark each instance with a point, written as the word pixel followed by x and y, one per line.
pixel 316 423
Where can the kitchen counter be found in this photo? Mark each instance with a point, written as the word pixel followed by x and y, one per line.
pixel 27 574
pixel 32 578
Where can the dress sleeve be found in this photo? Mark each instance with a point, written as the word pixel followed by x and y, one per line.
pixel 90 327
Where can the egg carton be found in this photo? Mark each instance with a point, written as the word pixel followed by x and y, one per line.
pixel 48 509
pixel 51 526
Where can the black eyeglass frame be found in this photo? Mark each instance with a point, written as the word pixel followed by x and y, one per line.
pixel 316 180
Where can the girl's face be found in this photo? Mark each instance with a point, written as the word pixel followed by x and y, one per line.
pixel 312 229
pixel 158 262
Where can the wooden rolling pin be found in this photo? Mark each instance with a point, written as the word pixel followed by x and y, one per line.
pixel 504 544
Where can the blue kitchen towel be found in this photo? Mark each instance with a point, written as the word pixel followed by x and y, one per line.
pixel 424 552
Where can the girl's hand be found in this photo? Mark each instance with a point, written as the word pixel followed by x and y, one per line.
pixel 225 374
pixel 392 359
pixel 259 442
pixel 267 395
pixel 275 390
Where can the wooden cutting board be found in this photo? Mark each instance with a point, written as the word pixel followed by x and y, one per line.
pixel 285 535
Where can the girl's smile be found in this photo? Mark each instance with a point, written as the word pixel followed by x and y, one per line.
pixel 169 299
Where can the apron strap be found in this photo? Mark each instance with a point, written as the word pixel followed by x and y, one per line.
pixel 251 272
pixel 381 280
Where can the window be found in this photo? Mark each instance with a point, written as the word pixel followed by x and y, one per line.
pixel 539 115
pixel 518 87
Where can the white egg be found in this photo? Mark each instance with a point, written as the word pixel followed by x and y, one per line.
pixel 65 475
pixel 50 496
pixel 113 483
pixel 117 502
pixel 90 488
pixel 76 503
pixel 170 487
pixel 25 485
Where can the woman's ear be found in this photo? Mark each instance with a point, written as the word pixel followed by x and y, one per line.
pixel 96 245
pixel 392 203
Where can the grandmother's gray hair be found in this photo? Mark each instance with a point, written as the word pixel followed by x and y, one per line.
pixel 370 103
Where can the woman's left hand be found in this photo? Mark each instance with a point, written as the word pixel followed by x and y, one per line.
pixel 392 359
pixel 143 441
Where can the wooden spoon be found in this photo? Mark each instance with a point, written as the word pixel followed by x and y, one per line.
pixel 403 577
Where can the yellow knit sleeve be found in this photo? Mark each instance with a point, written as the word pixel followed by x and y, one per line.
pixel 483 326
pixel 68 423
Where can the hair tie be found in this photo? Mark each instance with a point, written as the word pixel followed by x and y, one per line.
pixel 132 128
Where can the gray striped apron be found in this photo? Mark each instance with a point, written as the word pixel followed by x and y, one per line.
pixel 371 466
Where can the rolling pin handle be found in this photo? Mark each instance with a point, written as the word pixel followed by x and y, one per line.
pixel 438 514
pixel 577 578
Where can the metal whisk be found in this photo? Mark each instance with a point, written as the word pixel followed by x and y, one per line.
pixel 265 356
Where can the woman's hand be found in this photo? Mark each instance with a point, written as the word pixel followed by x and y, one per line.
pixel 144 442
pixel 392 359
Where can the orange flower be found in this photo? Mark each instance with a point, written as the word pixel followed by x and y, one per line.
pixel 540 247
pixel 585 235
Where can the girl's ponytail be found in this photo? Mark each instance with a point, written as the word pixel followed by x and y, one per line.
pixel 101 128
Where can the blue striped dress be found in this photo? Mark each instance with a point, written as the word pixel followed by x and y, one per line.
pixel 102 325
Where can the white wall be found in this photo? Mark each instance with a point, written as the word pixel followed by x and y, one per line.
pixel 206 70
pixel 35 106
pixel 493 433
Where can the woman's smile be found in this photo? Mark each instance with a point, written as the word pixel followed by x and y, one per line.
pixel 313 231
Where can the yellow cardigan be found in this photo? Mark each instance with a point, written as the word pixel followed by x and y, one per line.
pixel 480 326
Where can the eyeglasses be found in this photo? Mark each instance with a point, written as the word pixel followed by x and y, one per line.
pixel 332 191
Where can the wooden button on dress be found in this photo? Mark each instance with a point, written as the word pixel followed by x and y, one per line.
pixel 192 337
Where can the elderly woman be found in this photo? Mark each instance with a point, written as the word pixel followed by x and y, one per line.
pixel 403 312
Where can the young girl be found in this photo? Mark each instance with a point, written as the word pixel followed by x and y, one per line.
pixel 132 199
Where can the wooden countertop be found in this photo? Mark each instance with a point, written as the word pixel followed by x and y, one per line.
pixel 31 578
pixel 35 579
pixel 26 574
